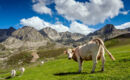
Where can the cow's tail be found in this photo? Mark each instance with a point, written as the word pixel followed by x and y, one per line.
pixel 100 42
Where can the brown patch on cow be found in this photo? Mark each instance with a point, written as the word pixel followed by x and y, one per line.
pixel 88 58
pixel 74 57
pixel 99 57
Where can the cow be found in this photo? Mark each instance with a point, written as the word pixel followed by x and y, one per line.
pixel 13 73
pixel 93 50
pixel 42 62
pixel 22 69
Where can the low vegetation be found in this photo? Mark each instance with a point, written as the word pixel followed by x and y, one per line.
pixel 50 53
pixel 21 58
pixel 117 42
pixel 64 69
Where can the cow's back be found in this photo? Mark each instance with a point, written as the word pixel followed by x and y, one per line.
pixel 86 51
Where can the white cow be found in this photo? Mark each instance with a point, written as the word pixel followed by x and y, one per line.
pixel 42 62
pixel 13 73
pixel 22 69
pixel 93 50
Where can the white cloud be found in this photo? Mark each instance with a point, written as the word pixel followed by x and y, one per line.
pixel 123 26
pixel 59 27
pixel 124 12
pixel 93 12
pixel 40 6
pixel 38 24
pixel 35 22
pixel 76 27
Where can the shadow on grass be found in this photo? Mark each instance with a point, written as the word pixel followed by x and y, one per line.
pixel 73 73
pixel 9 77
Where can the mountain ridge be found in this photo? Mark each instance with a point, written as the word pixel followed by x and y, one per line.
pixel 30 37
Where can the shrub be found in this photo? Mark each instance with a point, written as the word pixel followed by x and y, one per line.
pixel 20 58
pixel 50 53
pixel 111 43
pixel 48 46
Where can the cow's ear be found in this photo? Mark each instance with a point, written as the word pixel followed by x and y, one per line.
pixel 65 52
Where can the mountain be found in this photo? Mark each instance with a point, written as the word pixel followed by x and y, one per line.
pixel 5 33
pixel 61 37
pixel 32 38
pixel 127 29
pixel 123 39
pixel 25 37
pixel 50 33
pixel 68 37
pixel 27 33
pixel 107 32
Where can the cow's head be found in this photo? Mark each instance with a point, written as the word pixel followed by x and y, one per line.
pixel 70 53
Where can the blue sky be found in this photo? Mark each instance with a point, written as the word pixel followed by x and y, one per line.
pixel 19 13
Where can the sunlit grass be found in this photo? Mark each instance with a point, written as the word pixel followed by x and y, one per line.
pixel 63 69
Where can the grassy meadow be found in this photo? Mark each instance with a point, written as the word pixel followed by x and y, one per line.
pixel 63 69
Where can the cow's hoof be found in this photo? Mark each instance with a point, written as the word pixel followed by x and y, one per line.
pixel 92 71
pixel 79 71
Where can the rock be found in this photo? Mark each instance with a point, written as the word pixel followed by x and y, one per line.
pixel 5 33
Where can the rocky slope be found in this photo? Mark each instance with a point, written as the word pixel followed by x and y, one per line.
pixel 68 38
pixel 25 37
pixel 107 32
pixel 5 33
pixel 62 37
pixel 50 33
pixel 27 33
pixel 30 37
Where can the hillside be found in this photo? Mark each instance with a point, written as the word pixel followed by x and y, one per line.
pixel 62 68
pixel 27 33
pixel 25 37
pixel 28 37
pixel 120 40
pixel 107 32
pixel 50 33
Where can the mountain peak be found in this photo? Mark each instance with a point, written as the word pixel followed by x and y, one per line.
pixel 12 29
pixel 51 33
pixel 107 28
pixel 49 29
pixel 27 33
pixel 27 27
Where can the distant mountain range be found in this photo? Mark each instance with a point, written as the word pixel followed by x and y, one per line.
pixel 107 32
pixel 29 37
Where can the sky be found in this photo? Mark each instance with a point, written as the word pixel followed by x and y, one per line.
pixel 76 16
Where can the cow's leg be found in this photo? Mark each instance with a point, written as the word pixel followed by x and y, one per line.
pixel 80 64
pixel 94 58
pixel 103 59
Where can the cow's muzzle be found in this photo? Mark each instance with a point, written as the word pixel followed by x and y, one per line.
pixel 69 58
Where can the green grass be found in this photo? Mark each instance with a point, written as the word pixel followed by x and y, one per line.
pixel 24 57
pixel 48 53
pixel 117 42
pixel 64 69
